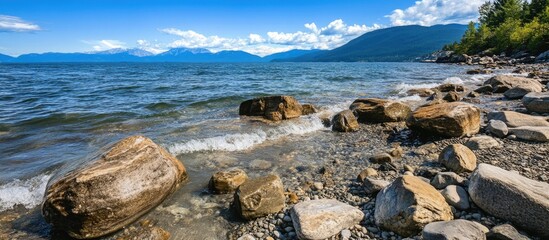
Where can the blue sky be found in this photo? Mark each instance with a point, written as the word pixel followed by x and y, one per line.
pixel 260 27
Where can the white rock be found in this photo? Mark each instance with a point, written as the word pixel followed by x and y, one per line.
pixel 323 218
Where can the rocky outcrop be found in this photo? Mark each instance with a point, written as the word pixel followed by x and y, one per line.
pixel 502 83
pixel 449 87
pixel 446 119
pixel 454 230
pixel 308 109
pixel 345 121
pixel 535 134
pixel 227 181
pixel 512 197
pixel 275 108
pixel 259 197
pixel 515 119
pixel 408 204
pixel 452 96
pixel 373 110
pixel 324 218
pixel 134 176
pixel 536 102
pixel 458 158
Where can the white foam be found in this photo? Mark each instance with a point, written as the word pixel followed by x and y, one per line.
pixel 403 88
pixel 243 141
pixel 454 80
pixel 28 193
pixel 413 98
pixel 239 142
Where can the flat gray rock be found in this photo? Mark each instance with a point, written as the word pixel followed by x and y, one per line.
pixel 505 232
pixel 324 218
pixel 515 119
pixel 536 134
pixel 512 197
pixel 454 230
pixel 537 102
pixel 482 142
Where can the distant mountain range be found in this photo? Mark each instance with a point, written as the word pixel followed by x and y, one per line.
pixel 394 44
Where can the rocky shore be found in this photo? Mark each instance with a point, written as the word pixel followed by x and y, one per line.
pixel 470 162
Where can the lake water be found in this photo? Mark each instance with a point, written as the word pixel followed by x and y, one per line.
pixel 55 116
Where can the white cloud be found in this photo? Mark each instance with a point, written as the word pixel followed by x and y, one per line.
pixel 16 24
pixel 432 12
pixel 333 35
pixel 102 45
pixel 155 47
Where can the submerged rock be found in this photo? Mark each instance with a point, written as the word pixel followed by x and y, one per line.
pixel 324 218
pixel 345 121
pixel 408 204
pixel 227 181
pixel 454 230
pixel 308 109
pixel 512 197
pixel 259 197
pixel 537 102
pixel 446 119
pixel 458 158
pixel 373 110
pixel 134 176
pixel 274 108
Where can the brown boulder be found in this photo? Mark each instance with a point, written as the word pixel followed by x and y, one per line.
pixel 259 197
pixel 446 119
pixel 502 83
pixel 448 87
pixel 134 176
pixel 458 158
pixel 374 110
pixel 227 181
pixel 408 204
pixel 274 108
pixel 308 109
pixel 345 121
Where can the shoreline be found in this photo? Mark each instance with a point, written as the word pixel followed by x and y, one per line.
pixel 348 155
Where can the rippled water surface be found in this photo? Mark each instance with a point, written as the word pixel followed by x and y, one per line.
pixel 55 116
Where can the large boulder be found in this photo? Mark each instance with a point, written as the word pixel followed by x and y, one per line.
pixel 515 119
pixel 373 110
pixel 227 181
pixel 458 158
pixel 274 108
pixel 536 134
pixel 446 119
pixel 345 121
pixel 259 197
pixel 408 204
pixel 536 102
pixel 512 197
pixel 131 178
pixel 454 230
pixel 502 83
pixel 323 218
pixel 520 91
